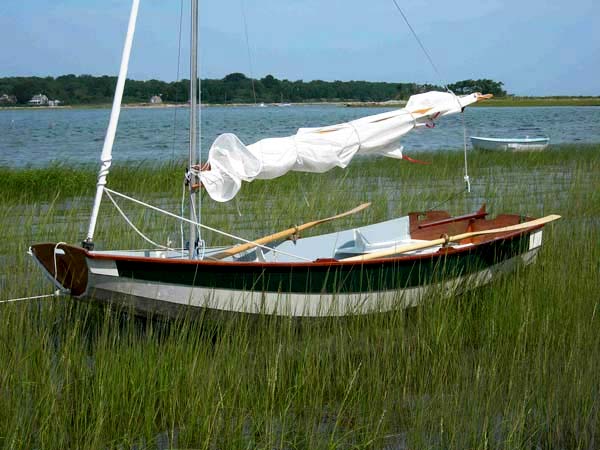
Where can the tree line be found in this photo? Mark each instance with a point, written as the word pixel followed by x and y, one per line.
pixel 233 88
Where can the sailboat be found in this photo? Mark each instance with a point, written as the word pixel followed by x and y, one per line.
pixel 282 103
pixel 373 268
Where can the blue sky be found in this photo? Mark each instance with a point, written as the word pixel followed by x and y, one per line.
pixel 535 47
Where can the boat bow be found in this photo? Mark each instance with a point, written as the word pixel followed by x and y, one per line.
pixel 64 264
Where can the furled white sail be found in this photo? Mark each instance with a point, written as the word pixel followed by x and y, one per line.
pixel 321 149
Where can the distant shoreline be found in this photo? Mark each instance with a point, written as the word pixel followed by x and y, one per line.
pixel 496 102
pixel 507 102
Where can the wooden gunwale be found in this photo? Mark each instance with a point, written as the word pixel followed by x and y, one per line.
pixel 316 263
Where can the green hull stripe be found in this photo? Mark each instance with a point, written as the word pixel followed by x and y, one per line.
pixel 328 279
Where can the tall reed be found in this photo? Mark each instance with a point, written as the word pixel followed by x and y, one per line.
pixel 510 366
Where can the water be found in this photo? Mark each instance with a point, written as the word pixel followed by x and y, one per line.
pixel 39 137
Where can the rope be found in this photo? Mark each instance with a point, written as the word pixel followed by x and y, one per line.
pixel 182 213
pixel 177 78
pixel 201 243
pixel 437 205
pixel 357 135
pixel 206 227
pixel 420 44
pixel 248 48
pixel 147 239
pixel 415 161
pixel 12 300
pixel 198 214
pixel 464 127
pixel 55 264
pixel 466 177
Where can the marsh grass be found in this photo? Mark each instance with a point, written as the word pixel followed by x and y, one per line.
pixel 513 365
pixel 541 101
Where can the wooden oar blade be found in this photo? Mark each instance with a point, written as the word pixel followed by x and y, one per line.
pixel 516 227
pixel 344 214
pixel 422 245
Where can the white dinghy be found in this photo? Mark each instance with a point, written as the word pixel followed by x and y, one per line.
pixel 510 144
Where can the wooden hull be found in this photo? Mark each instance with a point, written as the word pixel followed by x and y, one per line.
pixel 514 145
pixel 324 287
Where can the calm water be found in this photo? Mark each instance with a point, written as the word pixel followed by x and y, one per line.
pixel 39 137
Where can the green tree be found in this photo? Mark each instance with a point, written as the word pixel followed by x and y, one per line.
pixel 24 89
pixel 235 77
pixel 235 87
pixel 485 86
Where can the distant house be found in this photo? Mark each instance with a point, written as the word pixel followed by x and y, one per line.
pixel 6 99
pixel 155 99
pixel 38 100
pixel 54 102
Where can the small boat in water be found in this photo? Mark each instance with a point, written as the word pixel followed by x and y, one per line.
pixel 510 144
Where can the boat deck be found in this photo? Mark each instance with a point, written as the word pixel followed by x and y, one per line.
pixel 399 232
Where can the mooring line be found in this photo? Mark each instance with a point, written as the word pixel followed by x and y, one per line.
pixel 466 177
pixel 414 33
pixel 12 300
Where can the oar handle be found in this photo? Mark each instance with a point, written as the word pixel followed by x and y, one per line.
pixel 285 233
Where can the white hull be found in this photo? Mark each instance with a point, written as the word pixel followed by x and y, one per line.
pixel 106 285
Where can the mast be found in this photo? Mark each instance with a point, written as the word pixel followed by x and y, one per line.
pixel 193 156
pixel 106 156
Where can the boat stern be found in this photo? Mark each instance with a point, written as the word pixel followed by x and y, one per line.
pixel 65 265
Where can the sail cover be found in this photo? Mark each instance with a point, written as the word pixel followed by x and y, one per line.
pixel 321 149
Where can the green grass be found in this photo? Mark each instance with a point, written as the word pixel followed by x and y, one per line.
pixel 541 101
pixel 510 366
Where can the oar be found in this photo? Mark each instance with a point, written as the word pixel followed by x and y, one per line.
pixel 285 233
pixel 420 245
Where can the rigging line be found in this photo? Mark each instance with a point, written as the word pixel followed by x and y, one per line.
pixel 182 213
pixel 180 34
pixel 452 196
pixel 206 227
pixel 147 239
pixel 201 242
pixel 466 178
pixel 420 44
pixel 177 79
pixel 12 300
pixel 199 151
pixel 248 49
